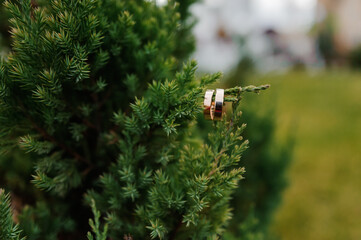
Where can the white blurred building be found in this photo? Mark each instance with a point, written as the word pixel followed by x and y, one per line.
pixel 230 29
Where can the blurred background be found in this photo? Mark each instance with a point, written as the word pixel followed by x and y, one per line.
pixel 310 52
pixel 303 177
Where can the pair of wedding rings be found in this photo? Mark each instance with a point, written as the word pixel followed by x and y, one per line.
pixel 213 110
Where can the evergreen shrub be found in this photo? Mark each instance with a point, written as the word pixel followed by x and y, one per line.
pixel 97 121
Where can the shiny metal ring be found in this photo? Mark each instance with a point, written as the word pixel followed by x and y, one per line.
pixel 218 104
pixel 207 104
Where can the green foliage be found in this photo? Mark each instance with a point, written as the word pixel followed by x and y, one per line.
pixel 95 94
pixel 186 182
pixel 47 220
pixel 95 225
pixel 8 229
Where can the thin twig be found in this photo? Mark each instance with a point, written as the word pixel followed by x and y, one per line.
pixel 251 88
pixel 215 163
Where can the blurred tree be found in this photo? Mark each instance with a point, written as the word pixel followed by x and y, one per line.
pixel 94 98
pixel 355 58
pixel 325 40
pixel 266 162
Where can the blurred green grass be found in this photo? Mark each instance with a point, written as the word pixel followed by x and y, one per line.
pixel 323 112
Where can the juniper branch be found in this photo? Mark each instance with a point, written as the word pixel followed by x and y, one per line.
pixel 8 230
pixel 215 163
pixel 240 90
pixel 233 94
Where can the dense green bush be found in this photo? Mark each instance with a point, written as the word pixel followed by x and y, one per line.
pixel 97 106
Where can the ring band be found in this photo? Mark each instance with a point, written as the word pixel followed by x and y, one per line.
pixel 207 104
pixel 218 104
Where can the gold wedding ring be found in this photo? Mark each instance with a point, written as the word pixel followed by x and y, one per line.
pixel 218 104
pixel 207 104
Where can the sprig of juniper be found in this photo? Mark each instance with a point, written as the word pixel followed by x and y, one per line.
pixel 8 230
pixel 234 94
